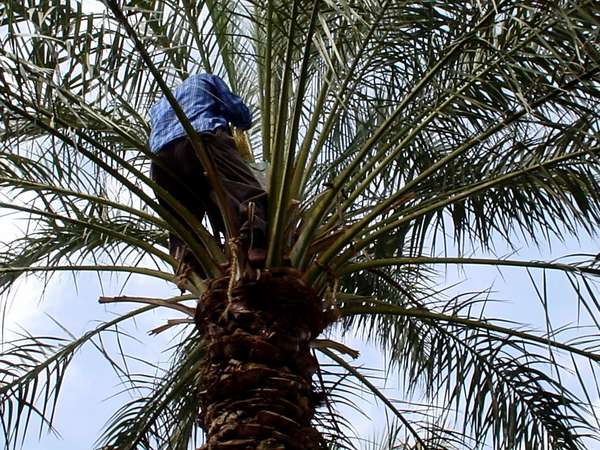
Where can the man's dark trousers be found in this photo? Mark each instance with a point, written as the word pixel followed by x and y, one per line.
pixel 178 170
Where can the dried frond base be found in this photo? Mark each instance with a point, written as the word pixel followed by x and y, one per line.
pixel 257 389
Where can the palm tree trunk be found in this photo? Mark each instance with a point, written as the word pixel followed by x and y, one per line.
pixel 256 386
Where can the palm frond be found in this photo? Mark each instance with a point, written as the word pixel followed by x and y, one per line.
pixel 418 152
pixel 164 415
pixel 479 374
pixel 33 369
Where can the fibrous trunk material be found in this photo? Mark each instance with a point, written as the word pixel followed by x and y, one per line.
pixel 257 390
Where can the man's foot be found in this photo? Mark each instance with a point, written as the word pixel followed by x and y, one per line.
pixel 182 276
pixel 257 257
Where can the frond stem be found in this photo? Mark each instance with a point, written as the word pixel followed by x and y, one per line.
pixel 374 307
pixel 423 260
pixel 91 268
pixel 376 392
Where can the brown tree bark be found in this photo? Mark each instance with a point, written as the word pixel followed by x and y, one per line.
pixel 257 390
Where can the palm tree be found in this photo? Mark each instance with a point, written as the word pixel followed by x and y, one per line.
pixel 390 128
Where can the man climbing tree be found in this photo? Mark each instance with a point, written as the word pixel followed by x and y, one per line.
pixel 211 108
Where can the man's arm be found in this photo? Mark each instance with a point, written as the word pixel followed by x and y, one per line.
pixel 232 106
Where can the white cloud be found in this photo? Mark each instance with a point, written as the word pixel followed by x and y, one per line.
pixel 92 6
pixel 24 302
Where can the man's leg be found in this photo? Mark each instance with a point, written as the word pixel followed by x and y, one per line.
pixel 248 198
pixel 178 171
